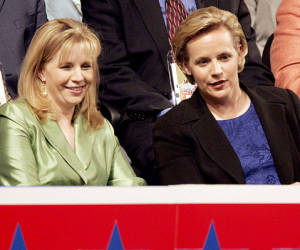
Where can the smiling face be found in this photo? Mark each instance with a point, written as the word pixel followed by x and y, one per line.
pixel 68 79
pixel 213 63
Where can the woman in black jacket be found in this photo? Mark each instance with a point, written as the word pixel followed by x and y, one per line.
pixel 227 132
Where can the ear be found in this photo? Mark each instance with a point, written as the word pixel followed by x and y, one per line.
pixel 186 68
pixel 240 54
pixel 41 75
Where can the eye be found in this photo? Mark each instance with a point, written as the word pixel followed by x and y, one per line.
pixel 86 65
pixel 202 61
pixel 66 66
pixel 224 57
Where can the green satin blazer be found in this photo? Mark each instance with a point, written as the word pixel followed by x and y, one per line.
pixel 34 153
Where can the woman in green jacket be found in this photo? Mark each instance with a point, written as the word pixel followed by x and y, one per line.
pixel 54 134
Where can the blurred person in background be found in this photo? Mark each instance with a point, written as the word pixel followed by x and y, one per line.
pixel 19 20
pixel 263 19
pixel 285 48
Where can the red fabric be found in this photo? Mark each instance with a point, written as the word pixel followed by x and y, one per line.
pixel 176 13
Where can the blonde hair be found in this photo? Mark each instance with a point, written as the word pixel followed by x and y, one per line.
pixel 203 21
pixel 53 36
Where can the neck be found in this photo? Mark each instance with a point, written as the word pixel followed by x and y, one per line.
pixel 64 115
pixel 231 107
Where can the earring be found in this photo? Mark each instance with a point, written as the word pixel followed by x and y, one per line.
pixel 43 89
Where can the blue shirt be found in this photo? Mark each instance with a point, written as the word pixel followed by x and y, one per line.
pixel 248 139
pixel 189 5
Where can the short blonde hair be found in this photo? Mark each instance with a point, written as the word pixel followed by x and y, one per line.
pixel 55 35
pixel 203 21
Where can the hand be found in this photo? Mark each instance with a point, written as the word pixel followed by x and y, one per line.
pixel 296 183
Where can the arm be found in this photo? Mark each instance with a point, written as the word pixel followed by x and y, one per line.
pixel 255 72
pixel 285 49
pixel 129 78
pixel 39 17
pixel 17 165
pixel 175 159
pixel 121 173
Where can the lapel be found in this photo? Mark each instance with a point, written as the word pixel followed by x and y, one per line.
pixel 83 143
pixel 155 25
pixel 208 132
pixel 1 4
pixel 272 115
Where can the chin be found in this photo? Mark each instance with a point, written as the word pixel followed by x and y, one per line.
pixel 74 103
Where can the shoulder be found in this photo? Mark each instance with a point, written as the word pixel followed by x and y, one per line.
pixel 288 7
pixel 17 110
pixel 106 128
pixel 270 93
pixel 105 132
pixel 18 115
pixel 176 116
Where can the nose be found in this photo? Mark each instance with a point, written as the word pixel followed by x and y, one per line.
pixel 216 68
pixel 77 75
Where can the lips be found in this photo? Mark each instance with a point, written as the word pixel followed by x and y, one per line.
pixel 217 83
pixel 77 90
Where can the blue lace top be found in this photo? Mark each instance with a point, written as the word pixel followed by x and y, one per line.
pixel 247 137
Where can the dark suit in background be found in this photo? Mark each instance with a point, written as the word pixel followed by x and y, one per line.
pixel 134 71
pixel 19 19
pixel 191 147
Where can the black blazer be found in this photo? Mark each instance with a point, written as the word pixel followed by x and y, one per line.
pixel 19 20
pixel 134 73
pixel 190 146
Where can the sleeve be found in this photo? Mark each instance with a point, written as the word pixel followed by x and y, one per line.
pixel 175 159
pixel 293 122
pixel 17 165
pixel 261 12
pixel 121 173
pixel 285 49
pixel 119 78
pixel 296 113
pixel 255 72
pixel 41 16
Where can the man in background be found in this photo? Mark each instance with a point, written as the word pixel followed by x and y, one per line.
pixel 263 19
pixel 63 9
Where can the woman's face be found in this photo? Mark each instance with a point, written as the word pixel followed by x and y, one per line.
pixel 68 79
pixel 213 62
